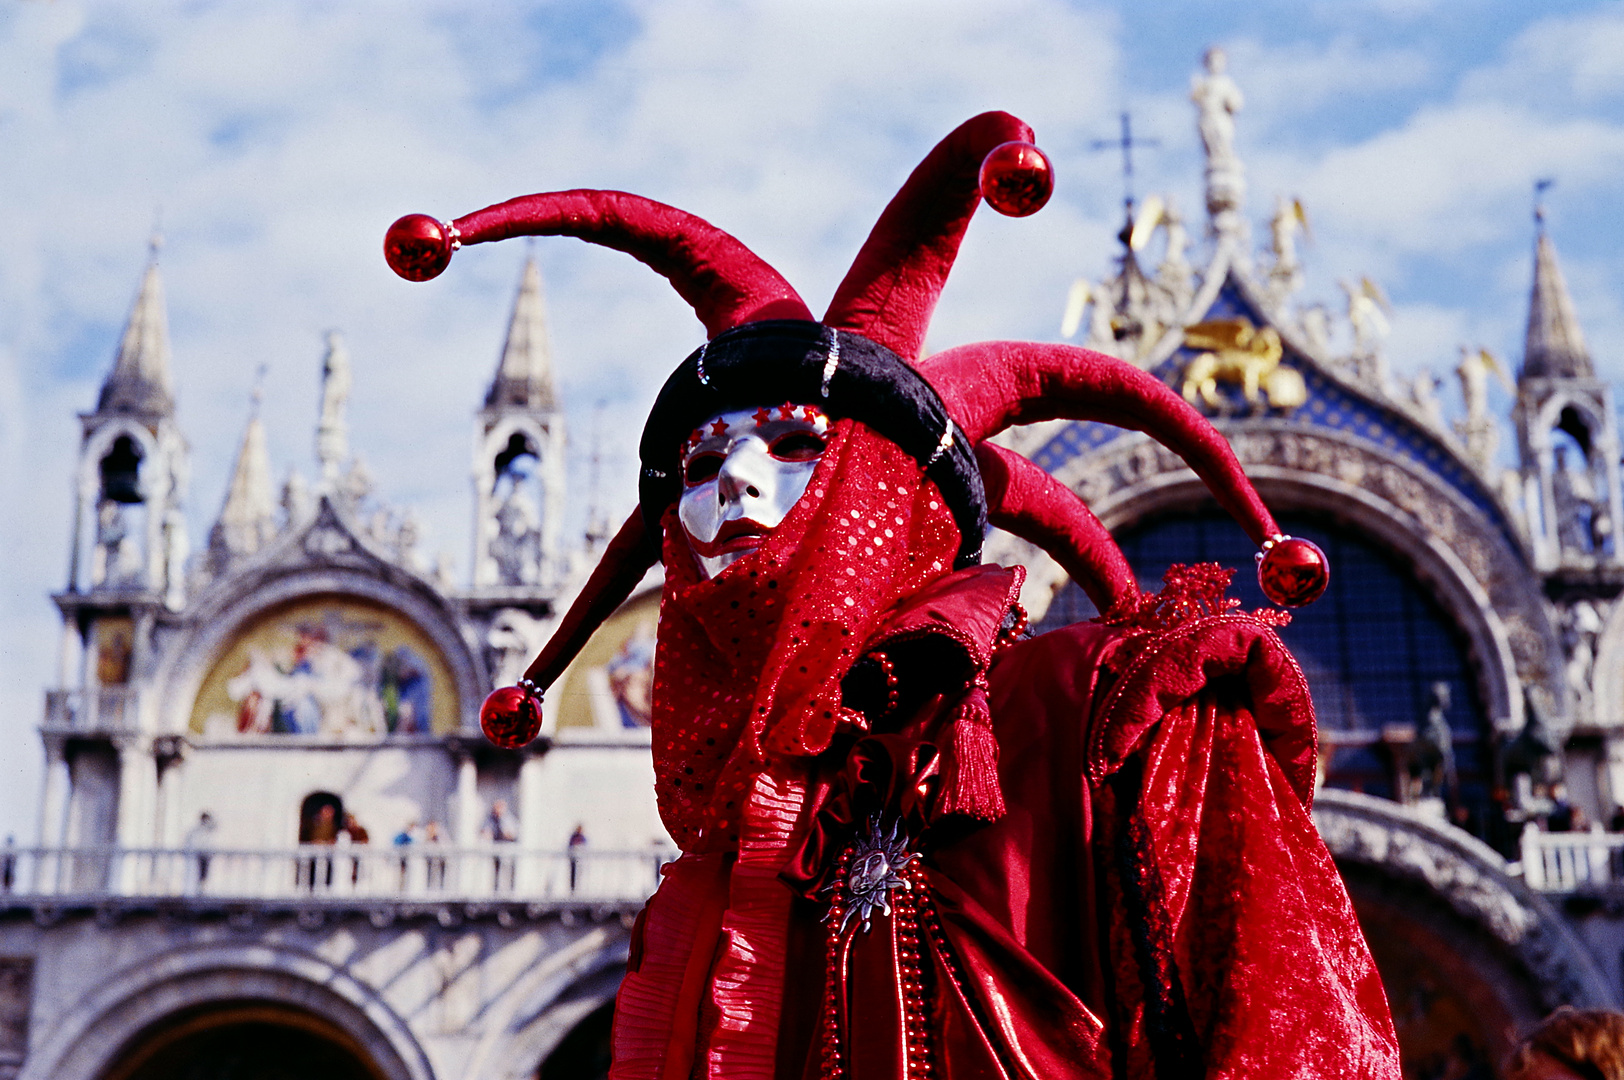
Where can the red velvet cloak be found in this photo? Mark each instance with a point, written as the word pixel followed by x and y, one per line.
pixel 1154 902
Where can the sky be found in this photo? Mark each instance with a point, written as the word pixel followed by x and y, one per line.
pixel 276 142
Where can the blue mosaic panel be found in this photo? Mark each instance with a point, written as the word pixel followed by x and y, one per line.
pixel 1329 406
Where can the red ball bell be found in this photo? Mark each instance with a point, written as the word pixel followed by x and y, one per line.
pixel 418 247
pixel 511 717
pixel 1016 179
pixel 1293 572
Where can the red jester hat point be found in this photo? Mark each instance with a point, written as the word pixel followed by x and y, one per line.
pixel 887 298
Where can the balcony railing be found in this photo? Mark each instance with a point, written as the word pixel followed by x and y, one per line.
pixel 1561 862
pixel 107 709
pixel 416 872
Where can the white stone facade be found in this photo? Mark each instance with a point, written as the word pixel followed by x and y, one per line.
pixel 216 728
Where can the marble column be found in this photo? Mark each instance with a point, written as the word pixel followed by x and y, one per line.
pixel 54 799
pixel 468 815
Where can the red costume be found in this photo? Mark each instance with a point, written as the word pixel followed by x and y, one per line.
pixel 915 841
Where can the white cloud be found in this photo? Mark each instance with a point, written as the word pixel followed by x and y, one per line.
pixel 1557 62
pixel 281 140
pixel 1286 83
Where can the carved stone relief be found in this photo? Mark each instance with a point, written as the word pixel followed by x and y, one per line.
pixel 1473 880
pixel 1130 466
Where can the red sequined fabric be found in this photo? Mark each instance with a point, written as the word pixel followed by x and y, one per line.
pixel 749 663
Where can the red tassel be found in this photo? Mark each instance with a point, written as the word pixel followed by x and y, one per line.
pixel 970 760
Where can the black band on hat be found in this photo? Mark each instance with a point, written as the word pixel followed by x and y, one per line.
pixel 786 360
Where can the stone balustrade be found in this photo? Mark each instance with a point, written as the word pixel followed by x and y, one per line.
pixel 334 872
pixel 106 709
pixel 1566 862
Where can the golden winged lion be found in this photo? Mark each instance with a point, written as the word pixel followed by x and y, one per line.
pixel 1236 352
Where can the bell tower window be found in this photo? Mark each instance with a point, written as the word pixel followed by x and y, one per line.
pixel 121 473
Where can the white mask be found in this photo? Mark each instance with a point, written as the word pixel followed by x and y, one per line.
pixel 741 473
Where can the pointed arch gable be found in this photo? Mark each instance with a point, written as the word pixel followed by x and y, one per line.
pixel 1484 583
pixel 325 559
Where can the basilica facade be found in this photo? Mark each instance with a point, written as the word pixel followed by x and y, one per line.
pixel 269 819
pixel 394 898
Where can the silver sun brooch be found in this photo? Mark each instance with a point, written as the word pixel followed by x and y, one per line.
pixel 874 869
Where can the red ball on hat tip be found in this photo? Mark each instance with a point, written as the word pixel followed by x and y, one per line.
pixel 511 717
pixel 417 247
pixel 1293 572
pixel 1016 179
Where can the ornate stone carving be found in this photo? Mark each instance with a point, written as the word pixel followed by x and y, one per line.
pixel 1128 465
pixel 1474 881
pixel 327 541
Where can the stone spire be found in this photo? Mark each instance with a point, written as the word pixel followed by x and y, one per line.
pixel 524 378
pixel 139 382
pixel 333 429
pixel 1555 347
pixel 248 517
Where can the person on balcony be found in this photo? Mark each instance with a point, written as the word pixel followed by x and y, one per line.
pixel 499 829
pixel 915 840
pixel 199 842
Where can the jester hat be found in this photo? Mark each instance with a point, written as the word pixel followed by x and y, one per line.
pixel 863 361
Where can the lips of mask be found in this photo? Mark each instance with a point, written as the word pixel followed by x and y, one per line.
pixel 742 472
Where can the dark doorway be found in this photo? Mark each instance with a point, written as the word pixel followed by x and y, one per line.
pixel 584 1053
pixel 317 826
pixel 244 1041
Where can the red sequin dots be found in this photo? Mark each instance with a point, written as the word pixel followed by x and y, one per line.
pixel 749 663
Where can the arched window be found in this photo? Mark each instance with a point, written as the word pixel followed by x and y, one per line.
pixel 1373 647
pixel 516 509
pixel 119 557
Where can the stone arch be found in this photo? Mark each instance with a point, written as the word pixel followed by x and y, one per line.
pixel 506 434
pixel 209 632
pixel 1482 906
pixel 1482 582
pixel 90 1036
pixel 155 479
pixel 1586 408
pixel 553 999
pixel 100 444
pixel 501 435
pixel 248 1031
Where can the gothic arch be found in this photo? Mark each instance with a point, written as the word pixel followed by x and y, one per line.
pixel 501 433
pixel 1481 580
pixel 325 559
pixel 1590 411
pixel 100 444
pixel 130 1002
